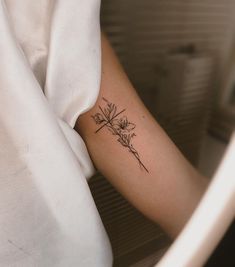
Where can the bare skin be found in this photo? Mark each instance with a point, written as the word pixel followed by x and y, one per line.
pixel 132 151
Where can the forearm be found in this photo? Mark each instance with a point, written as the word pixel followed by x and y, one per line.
pixel 148 169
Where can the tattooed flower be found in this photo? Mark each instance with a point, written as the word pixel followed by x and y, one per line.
pixel 121 128
pixel 123 125
pixel 98 118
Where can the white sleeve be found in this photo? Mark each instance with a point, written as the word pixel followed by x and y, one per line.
pixel 48 217
pixel 74 61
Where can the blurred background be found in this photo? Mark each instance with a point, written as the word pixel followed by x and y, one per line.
pixel 180 57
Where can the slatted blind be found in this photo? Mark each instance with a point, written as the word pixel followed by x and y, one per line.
pixel 144 34
pixel 141 31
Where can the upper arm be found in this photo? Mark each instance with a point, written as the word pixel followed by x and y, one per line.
pixel 128 146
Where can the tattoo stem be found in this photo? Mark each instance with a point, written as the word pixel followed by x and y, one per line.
pixel 141 163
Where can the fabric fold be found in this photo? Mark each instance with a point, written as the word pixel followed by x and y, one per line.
pixel 47 214
pixel 74 61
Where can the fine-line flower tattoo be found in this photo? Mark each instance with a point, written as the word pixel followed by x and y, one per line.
pixel 119 126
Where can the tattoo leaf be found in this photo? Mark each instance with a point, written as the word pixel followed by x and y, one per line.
pixel 112 130
pixel 120 140
pixel 123 124
pixel 98 118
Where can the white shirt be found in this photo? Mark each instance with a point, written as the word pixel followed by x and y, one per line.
pixel 49 75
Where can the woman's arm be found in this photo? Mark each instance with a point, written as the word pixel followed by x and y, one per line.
pixel 131 150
